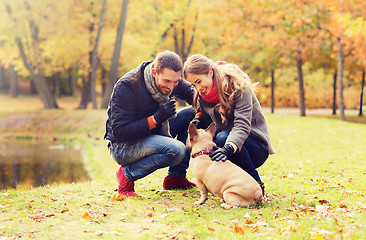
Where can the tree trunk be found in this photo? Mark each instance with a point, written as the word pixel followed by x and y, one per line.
pixel 340 61
pixel 361 95
pixel 70 88
pixel 94 64
pixel 57 79
pixel 103 76
pixel 86 91
pixel 272 90
pixel 335 93
pixel 40 82
pixel 301 83
pixel 13 82
pixel 2 78
pixel 181 49
pixel 113 74
pixel 32 87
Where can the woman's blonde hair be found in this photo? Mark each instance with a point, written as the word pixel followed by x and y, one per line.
pixel 228 77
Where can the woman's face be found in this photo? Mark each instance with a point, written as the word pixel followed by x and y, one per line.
pixel 202 82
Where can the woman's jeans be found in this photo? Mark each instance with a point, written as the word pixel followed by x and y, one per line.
pixel 142 157
pixel 251 156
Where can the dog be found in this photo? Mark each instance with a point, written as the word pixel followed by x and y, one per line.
pixel 223 179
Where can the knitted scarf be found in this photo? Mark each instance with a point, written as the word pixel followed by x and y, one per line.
pixel 212 96
pixel 157 96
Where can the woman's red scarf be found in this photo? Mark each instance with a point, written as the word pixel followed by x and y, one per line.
pixel 212 96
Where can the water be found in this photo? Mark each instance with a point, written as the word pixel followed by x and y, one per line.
pixel 29 163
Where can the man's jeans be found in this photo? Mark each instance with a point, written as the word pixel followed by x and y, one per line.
pixel 251 156
pixel 142 157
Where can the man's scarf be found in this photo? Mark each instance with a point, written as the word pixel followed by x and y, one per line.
pixel 157 96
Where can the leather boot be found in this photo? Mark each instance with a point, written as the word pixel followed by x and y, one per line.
pixel 173 182
pixel 125 186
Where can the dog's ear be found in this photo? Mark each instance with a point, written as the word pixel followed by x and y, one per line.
pixel 212 129
pixel 192 131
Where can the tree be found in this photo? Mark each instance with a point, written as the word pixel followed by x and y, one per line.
pixel 2 78
pixel 36 72
pixel 113 73
pixel 94 64
pixel 340 69
pixel 13 82
pixel 361 95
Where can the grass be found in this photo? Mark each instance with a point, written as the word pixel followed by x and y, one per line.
pixel 315 186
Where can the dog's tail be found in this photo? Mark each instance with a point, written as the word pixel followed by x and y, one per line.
pixel 258 196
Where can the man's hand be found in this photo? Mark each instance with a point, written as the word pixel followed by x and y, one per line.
pixel 222 154
pixel 165 111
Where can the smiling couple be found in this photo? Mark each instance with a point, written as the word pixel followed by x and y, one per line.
pixel 145 132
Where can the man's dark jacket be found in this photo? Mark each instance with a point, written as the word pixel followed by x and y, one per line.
pixel 131 104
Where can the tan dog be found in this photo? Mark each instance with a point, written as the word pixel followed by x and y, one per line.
pixel 223 179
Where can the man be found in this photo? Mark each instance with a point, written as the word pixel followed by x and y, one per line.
pixel 142 122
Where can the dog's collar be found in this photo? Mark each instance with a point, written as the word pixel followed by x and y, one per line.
pixel 204 151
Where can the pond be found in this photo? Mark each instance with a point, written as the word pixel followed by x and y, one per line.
pixel 32 163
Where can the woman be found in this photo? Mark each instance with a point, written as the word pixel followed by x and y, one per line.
pixel 225 95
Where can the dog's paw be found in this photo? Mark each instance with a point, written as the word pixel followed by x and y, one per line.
pixel 198 202
pixel 226 206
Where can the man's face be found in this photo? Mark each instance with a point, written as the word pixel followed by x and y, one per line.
pixel 166 80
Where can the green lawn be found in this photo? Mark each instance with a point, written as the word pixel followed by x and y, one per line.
pixel 315 188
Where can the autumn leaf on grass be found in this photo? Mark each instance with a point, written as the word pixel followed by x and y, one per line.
pixel 323 201
pixel 87 216
pixel 238 229
pixel 37 217
pixel 210 229
pixel 119 197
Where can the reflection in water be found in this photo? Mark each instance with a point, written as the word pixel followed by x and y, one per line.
pixel 25 164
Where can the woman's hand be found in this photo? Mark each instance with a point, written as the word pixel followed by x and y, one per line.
pixel 222 154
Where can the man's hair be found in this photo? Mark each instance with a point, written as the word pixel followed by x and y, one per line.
pixel 168 59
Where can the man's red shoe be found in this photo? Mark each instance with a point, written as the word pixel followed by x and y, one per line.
pixel 125 186
pixel 172 182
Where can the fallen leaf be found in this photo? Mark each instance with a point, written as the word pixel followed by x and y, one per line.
pixel 216 221
pixel 248 221
pixel 323 201
pixel 87 216
pixel 172 209
pixel 119 197
pixel 37 217
pixel 143 229
pixel 262 223
pixel 322 210
pixel 247 215
pixel 210 229
pixel 238 229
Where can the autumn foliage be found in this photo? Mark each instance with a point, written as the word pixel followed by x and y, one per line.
pixel 291 47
